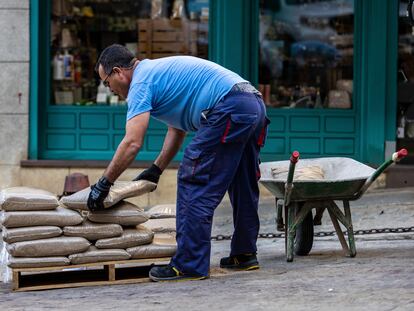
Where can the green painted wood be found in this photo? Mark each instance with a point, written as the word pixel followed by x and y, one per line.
pixel 392 67
pixel 94 121
pixel 372 86
pixel 305 124
pixel 340 125
pixel 234 36
pixel 60 141
pixel 34 70
pixel 100 142
pixel 344 145
pixel 306 145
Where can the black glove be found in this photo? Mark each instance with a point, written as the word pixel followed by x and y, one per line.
pixel 99 192
pixel 151 174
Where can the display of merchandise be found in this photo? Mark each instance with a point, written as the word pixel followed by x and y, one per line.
pixel 80 30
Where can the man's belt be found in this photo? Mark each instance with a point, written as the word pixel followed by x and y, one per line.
pixel 245 87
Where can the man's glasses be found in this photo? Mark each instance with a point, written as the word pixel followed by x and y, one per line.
pixel 105 81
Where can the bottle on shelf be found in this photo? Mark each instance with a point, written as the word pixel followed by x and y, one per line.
pixel 102 95
pixel 77 68
pixel 68 66
pixel 401 127
pixel 318 100
pixel 58 67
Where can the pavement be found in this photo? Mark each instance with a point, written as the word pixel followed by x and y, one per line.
pixel 380 277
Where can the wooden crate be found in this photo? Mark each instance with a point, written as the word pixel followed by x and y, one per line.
pixel 164 37
pixel 90 274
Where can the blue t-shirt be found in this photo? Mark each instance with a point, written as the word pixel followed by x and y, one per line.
pixel 177 89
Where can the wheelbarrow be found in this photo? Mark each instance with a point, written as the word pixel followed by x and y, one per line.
pixel 339 179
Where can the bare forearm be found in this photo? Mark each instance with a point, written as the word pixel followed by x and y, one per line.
pixel 172 143
pixel 124 155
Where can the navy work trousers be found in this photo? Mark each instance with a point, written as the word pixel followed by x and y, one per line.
pixel 223 156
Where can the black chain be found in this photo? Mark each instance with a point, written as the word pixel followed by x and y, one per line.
pixel 221 237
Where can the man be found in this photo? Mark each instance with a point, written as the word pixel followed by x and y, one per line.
pixel 229 118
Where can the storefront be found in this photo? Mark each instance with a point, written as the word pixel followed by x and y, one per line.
pixel 327 69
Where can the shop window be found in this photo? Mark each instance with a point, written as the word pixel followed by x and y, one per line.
pixel 81 29
pixel 306 53
pixel 405 87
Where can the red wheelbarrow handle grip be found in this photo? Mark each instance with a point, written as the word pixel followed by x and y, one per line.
pixel 295 157
pixel 399 154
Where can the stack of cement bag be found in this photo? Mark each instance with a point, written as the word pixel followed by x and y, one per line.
pixel 41 231
pixel 162 222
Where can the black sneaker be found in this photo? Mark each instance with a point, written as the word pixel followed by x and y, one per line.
pixel 240 262
pixel 170 273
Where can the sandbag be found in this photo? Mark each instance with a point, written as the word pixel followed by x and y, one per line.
pixel 165 238
pixel 124 214
pixel 98 255
pixel 161 225
pixel 37 262
pixel 27 199
pixel 93 231
pixel 119 191
pixel 14 235
pixel 152 251
pixel 162 211
pixel 130 238
pixel 59 217
pixel 60 246
pixel 312 172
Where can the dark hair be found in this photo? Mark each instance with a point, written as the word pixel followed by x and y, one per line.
pixel 115 55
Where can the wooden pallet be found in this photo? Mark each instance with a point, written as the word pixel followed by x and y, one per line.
pixel 91 274
pixel 164 37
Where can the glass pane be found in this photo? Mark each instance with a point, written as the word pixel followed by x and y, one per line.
pixel 81 29
pixel 306 53
pixel 405 86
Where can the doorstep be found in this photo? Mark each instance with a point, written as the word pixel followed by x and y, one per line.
pixel 400 175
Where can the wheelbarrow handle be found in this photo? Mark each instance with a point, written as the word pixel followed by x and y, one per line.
pixel 289 183
pixel 396 156
pixel 293 160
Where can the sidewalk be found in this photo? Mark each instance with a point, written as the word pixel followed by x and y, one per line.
pixel 380 277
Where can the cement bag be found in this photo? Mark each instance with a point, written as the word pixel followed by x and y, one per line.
pixel 124 214
pixel 98 255
pixel 165 239
pixel 161 225
pixel 162 211
pixel 312 172
pixel 93 231
pixel 152 251
pixel 119 191
pixel 37 262
pixel 61 246
pixel 27 199
pixel 30 233
pixel 59 217
pixel 130 238
pixel 5 271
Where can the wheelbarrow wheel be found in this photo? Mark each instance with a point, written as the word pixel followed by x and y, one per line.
pixel 304 235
